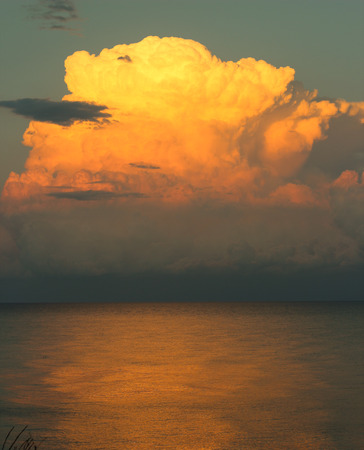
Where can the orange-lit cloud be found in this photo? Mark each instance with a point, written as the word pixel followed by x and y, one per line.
pixel 187 131
pixel 213 128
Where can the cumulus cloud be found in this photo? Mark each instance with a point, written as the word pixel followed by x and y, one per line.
pixel 200 163
pixel 53 14
pixel 61 113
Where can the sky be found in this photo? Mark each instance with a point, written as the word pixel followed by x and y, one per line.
pixel 181 150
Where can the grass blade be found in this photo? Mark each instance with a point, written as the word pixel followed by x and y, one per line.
pixel 22 431
pixel 3 447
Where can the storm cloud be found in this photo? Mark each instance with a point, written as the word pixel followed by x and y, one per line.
pixel 201 165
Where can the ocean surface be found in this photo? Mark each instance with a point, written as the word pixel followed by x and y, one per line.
pixel 184 375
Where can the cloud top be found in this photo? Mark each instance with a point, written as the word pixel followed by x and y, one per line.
pixel 174 77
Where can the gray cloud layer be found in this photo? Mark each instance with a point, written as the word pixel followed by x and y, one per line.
pixel 144 166
pixel 91 195
pixel 60 113
pixel 54 14
pixel 138 236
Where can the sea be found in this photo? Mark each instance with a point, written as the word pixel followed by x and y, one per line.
pixel 264 375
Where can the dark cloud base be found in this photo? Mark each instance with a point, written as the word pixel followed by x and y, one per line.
pixel 193 286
